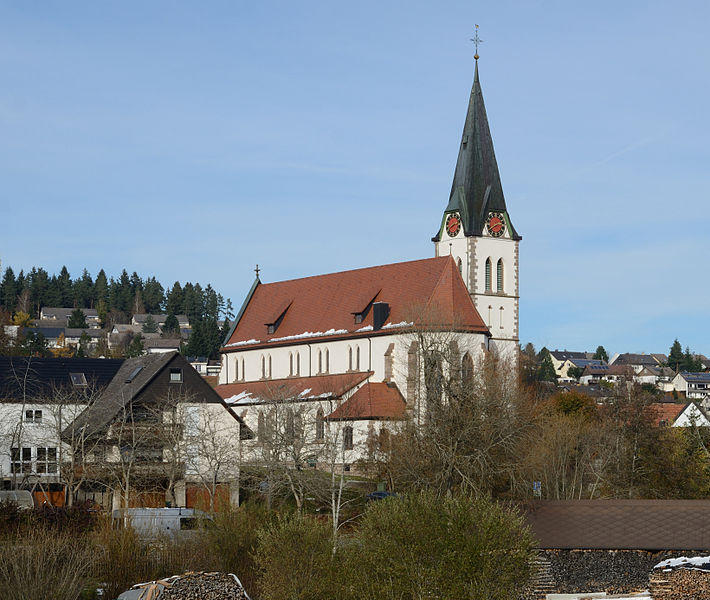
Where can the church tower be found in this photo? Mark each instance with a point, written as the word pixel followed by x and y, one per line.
pixel 477 231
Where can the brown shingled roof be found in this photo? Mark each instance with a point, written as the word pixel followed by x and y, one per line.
pixel 665 413
pixel 621 524
pixel 323 306
pixel 371 401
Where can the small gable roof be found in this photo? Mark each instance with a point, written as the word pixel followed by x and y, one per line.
pixel 665 413
pixel 428 292
pixel 290 389
pixel 371 401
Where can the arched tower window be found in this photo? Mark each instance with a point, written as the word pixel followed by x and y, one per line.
pixel 488 274
pixel 499 276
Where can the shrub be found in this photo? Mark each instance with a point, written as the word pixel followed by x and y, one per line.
pixel 44 564
pixel 232 539
pixel 423 546
pixel 296 561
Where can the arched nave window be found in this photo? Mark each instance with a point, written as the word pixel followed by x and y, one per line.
pixel 320 425
pixel 350 358
pixel 357 358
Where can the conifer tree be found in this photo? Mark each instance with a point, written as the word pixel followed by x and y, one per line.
pixel 171 327
pixel 601 354
pixel 77 319
pixel 675 356
pixel 546 372
pixel 150 326
pixel 135 348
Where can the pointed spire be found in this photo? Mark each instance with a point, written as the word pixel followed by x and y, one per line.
pixel 476 189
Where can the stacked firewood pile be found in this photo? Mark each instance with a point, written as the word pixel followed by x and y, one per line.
pixel 190 586
pixel 681 579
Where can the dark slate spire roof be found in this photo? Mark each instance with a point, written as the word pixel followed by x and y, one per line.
pixel 476 189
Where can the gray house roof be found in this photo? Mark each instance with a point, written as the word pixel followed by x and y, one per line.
pixel 134 376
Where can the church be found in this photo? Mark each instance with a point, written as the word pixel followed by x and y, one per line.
pixel 345 348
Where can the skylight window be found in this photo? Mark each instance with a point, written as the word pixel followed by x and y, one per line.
pixel 133 374
pixel 78 379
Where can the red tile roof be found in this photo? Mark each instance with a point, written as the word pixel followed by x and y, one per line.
pixel 427 292
pixel 371 401
pixel 665 413
pixel 292 388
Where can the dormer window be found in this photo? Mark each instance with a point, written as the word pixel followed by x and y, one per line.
pixel 358 318
pixel 277 316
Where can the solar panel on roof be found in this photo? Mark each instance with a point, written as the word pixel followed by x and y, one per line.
pixel 134 374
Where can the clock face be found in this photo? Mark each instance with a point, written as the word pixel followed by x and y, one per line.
pixel 495 224
pixel 453 224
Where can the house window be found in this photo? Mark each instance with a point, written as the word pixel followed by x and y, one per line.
pixel 21 460
pixel 46 460
pixel 499 276
pixel 348 438
pixel 488 274
pixel 78 379
pixel 33 416
pixel 175 375
pixel 320 426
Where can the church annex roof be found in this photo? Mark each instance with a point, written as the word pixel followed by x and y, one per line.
pixel 420 293
pixel 476 189
pixel 372 401
pixel 293 389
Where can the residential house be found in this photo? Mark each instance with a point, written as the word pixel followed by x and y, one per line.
pixel 636 361
pixel 594 374
pixel 60 316
pixel 696 386
pixel 666 414
pixel 38 397
pixel 160 433
pixel 661 377
pixel 140 319
pixel 560 357
pixel 578 363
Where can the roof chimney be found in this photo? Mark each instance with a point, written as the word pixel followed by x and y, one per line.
pixel 380 312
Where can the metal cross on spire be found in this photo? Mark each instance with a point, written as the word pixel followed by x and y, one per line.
pixel 476 40
pixel 257 271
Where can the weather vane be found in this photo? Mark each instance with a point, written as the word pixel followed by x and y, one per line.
pixel 476 40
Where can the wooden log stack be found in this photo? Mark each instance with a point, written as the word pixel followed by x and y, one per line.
pixel 680 584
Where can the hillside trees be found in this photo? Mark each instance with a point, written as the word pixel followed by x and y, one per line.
pixel 123 295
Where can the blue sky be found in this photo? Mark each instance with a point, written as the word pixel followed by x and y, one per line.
pixel 191 141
